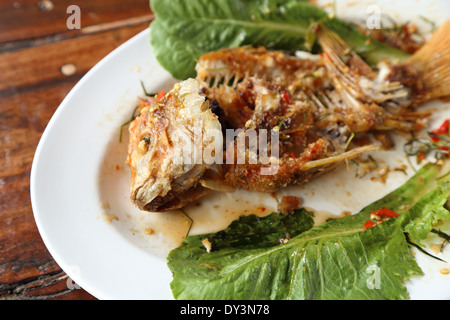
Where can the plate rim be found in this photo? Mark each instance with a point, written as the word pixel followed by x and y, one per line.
pixel 37 158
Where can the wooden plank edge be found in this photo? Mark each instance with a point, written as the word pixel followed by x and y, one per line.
pixel 71 34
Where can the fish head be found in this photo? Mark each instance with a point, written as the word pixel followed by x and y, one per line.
pixel 166 148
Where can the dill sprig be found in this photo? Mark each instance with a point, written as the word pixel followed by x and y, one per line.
pixel 190 219
pixel 441 234
pixel 435 144
pixel 429 22
pixel 408 240
pixel 352 135
pixel 322 116
pixel 133 116
pixel 148 94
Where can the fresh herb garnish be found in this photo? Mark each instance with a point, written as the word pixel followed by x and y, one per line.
pixel 437 144
pixel 322 116
pixel 349 140
pixel 145 90
pixel 191 222
pixel 335 260
pixel 431 23
pixel 123 125
pixel 421 249
pixel 442 234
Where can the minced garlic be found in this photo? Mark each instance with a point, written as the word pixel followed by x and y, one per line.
pixel 207 244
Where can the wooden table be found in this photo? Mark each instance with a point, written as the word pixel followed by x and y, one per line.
pixel 41 59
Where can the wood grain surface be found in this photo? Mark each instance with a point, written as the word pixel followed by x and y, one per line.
pixel 40 61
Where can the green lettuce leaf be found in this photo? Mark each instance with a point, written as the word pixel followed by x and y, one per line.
pixel 183 30
pixel 335 260
pixel 255 232
pixel 427 212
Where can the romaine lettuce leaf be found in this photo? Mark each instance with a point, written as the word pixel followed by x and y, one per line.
pixel 254 232
pixel 335 260
pixel 183 30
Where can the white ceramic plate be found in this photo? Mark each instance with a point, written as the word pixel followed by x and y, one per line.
pixel 79 186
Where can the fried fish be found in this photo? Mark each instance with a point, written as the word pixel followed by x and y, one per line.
pixel 311 106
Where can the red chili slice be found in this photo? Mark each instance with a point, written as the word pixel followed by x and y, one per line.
pixel 287 97
pixel 442 130
pixel 385 213
pixel 382 213
pixel 161 95
pixel 369 224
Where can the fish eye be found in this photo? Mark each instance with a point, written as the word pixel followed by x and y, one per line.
pixel 144 144
pixel 146 139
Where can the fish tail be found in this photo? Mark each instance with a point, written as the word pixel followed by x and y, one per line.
pixel 429 67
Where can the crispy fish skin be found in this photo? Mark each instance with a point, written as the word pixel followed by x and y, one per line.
pixel 222 71
pixel 164 173
pixel 337 82
pixel 300 146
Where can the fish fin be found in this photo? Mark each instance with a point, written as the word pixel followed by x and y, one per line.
pixel 338 158
pixel 340 53
pixel 431 65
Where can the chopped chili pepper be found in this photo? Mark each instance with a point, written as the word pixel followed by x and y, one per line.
pixel 286 97
pixel 385 213
pixel 442 130
pixel 161 95
pixel 406 33
pixel 369 224
pixel 420 156
pixel 445 149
